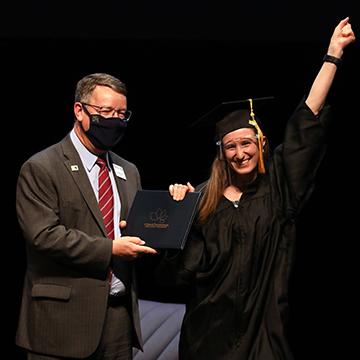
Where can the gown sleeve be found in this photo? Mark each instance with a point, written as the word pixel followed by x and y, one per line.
pixel 297 160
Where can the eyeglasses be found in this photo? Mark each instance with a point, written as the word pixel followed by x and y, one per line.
pixel 110 111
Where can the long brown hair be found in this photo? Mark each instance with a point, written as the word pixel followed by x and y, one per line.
pixel 214 188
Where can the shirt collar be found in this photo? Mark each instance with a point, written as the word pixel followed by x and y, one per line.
pixel 88 158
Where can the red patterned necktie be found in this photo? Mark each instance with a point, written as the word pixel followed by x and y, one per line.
pixel 106 205
pixel 106 198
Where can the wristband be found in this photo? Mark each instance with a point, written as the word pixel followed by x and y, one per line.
pixel 332 59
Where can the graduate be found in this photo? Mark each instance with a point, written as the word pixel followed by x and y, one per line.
pixel 240 251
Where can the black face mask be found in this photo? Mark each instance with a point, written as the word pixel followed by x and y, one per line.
pixel 105 133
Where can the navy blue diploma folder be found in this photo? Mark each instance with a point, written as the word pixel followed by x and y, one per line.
pixel 159 220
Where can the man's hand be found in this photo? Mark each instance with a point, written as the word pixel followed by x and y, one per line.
pixel 130 247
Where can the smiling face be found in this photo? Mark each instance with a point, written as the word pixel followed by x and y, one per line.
pixel 241 151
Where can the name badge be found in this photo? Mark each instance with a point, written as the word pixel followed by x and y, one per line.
pixel 119 171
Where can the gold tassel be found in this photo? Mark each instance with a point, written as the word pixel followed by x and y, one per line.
pixel 252 121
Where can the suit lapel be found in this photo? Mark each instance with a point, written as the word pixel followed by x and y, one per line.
pixel 121 185
pixel 76 169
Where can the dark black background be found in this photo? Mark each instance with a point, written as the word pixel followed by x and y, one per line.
pixel 178 61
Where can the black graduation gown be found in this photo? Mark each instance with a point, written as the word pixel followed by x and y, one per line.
pixel 238 263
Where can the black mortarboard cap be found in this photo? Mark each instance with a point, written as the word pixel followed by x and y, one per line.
pixel 232 115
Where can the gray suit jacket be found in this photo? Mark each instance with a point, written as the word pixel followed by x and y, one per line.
pixel 68 255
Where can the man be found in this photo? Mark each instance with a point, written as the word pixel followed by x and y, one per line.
pixel 79 298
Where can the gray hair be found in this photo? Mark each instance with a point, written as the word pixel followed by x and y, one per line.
pixel 87 84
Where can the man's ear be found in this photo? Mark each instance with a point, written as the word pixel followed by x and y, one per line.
pixel 78 111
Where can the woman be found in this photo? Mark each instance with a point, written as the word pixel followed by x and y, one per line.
pixel 238 257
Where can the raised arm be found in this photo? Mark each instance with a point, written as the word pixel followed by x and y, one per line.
pixel 341 37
